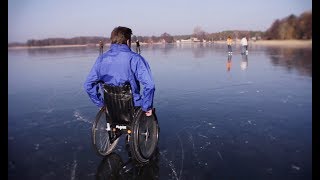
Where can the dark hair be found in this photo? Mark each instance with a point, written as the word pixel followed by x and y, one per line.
pixel 120 35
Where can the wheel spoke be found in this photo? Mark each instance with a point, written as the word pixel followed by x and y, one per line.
pixel 105 142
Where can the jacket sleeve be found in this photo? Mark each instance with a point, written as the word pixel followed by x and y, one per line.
pixel 143 74
pixel 91 86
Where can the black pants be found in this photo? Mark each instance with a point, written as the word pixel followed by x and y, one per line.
pixel 229 48
pixel 138 49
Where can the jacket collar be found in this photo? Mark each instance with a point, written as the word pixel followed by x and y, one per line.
pixel 120 47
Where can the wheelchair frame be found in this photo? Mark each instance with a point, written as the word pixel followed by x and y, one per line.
pixel 119 117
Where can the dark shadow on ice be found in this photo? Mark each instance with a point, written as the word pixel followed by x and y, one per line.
pixel 113 167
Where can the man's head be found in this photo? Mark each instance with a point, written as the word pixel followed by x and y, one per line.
pixel 121 35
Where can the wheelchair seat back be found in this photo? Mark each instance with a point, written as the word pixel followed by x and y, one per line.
pixel 119 102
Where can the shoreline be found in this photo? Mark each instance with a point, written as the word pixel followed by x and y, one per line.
pixel 53 46
pixel 286 43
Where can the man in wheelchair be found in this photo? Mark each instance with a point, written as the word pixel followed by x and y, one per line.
pixel 120 72
pixel 118 65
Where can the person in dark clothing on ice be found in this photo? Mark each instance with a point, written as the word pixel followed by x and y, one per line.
pixel 138 47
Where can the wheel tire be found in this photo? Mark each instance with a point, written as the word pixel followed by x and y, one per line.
pixel 100 135
pixel 144 137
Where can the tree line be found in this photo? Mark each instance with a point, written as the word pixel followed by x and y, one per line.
pixel 290 27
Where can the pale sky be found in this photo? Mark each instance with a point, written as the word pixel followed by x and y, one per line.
pixel 40 19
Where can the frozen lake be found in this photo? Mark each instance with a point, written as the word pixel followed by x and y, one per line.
pixel 249 117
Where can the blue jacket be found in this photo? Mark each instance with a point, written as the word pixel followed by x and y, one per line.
pixel 116 66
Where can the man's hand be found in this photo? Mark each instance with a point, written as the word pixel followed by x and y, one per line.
pixel 149 113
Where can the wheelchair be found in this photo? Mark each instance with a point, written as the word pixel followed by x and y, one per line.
pixel 120 117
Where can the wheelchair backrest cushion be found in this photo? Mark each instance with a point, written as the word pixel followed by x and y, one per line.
pixel 119 102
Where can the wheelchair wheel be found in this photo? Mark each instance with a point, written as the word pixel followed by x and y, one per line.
pixel 144 137
pixel 100 135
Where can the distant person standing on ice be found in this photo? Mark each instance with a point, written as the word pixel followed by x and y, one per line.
pixel 229 43
pixel 101 47
pixel 138 47
pixel 244 44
